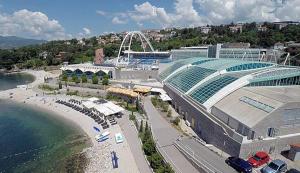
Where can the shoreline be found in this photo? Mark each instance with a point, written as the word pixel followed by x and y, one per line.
pixel 97 154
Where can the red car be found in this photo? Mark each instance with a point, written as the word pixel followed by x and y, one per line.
pixel 259 159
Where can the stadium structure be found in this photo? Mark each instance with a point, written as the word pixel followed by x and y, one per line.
pixel 148 56
pixel 237 104
pixel 129 64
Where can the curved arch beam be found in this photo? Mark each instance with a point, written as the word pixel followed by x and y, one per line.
pixel 122 44
pixel 130 36
pixel 148 42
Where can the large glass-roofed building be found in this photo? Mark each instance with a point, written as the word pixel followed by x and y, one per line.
pixel 237 101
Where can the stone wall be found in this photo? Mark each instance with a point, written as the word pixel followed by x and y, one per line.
pixel 136 74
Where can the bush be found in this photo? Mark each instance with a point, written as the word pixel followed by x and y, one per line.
pixel 154 101
pixel 47 87
pixel 71 93
pixel 169 114
pixel 132 117
pixel 176 121
pixel 164 107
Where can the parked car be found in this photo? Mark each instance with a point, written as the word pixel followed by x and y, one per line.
pixel 259 159
pixel 293 171
pixel 239 164
pixel 276 166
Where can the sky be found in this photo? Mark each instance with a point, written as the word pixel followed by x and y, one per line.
pixel 66 19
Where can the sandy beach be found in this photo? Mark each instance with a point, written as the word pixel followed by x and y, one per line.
pixel 99 153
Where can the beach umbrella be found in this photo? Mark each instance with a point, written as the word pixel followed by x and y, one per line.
pixel 97 129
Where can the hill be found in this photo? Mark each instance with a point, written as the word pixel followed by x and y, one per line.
pixel 8 42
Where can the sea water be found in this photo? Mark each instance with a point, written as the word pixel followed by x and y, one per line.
pixel 32 140
pixel 9 81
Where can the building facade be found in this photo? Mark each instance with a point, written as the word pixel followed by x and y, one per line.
pixel 239 106
pixel 99 56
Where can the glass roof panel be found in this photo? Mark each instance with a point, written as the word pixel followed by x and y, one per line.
pixel 175 66
pixel 211 87
pixel 186 79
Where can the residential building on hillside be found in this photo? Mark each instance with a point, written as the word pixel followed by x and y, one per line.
pixel 280 25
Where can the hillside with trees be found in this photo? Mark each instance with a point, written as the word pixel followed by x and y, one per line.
pixel 78 51
pixel 8 42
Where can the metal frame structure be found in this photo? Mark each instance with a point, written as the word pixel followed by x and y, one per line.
pixel 127 42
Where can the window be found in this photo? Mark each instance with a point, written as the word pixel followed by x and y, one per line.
pixel 257 104
pixel 272 132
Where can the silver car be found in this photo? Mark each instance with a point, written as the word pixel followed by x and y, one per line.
pixel 276 166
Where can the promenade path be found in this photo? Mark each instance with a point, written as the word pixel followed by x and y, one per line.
pixel 131 135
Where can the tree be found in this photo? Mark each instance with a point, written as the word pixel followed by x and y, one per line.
pixel 146 136
pixel 105 80
pixel 84 78
pixel 165 169
pixel 141 127
pixel 64 77
pixel 146 127
pixel 95 79
pixel 155 161
pixel 149 147
pixel 60 85
pixel 74 78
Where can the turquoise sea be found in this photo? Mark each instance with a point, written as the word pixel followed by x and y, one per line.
pixel 8 81
pixel 32 140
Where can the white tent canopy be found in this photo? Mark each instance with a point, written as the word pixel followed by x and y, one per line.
pixel 165 97
pixel 89 104
pixel 92 99
pixel 158 90
pixel 107 108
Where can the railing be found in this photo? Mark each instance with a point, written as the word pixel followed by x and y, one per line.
pixel 202 165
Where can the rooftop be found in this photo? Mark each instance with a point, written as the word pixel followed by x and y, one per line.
pixel 209 80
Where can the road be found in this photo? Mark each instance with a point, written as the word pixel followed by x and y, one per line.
pixel 165 135
pixel 212 161
pixel 131 135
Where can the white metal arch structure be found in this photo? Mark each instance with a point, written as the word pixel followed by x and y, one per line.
pixel 127 41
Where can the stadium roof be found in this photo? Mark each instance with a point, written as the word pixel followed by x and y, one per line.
pixel 247 107
pixel 209 80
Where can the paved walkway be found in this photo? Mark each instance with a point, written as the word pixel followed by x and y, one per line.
pixel 165 135
pixel 131 135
